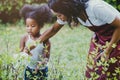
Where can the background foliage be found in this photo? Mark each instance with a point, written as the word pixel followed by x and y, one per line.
pixel 67 59
pixel 115 3
pixel 9 9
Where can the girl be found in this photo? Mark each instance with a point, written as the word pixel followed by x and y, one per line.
pixel 35 17
pixel 104 21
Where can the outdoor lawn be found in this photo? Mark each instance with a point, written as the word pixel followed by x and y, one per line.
pixel 68 52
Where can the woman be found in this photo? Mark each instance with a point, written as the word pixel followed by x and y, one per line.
pixel 103 20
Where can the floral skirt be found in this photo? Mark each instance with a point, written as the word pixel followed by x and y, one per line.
pixel 101 69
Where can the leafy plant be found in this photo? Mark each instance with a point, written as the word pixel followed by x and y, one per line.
pixel 115 3
pixel 9 9
pixel 67 58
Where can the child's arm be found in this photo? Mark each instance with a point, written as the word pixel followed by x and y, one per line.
pixel 22 43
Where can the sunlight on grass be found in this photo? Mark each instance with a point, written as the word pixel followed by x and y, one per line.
pixel 68 51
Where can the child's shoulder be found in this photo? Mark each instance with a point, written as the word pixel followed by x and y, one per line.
pixel 24 37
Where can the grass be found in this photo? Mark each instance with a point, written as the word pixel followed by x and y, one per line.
pixel 68 50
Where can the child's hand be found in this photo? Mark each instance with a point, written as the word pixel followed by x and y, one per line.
pixel 32 47
pixel 42 62
pixel 36 69
pixel 45 61
pixel 26 50
pixel 39 63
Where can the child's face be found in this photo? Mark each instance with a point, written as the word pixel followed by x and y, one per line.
pixel 32 27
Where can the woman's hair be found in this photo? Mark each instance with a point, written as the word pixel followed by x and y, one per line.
pixel 40 13
pixel 70 8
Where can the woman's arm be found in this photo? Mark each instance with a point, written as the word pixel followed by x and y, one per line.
pixel 47 48
pixel 116 35
pixel 50 32
pixel 46 53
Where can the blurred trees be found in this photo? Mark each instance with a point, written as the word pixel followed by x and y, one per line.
pixel 9 9
pixel 115 3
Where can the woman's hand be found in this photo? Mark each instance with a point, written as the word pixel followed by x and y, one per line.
pixel 105 55
pixel 106 52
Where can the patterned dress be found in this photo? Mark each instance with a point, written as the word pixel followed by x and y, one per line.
pixel 100 69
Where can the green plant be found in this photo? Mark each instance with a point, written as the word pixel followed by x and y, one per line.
pixel 115 3
pixel 67 58
pixel 9 9
pixel 10 68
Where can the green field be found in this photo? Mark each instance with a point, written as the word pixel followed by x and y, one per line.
pixel 68 53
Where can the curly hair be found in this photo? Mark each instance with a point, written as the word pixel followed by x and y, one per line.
pixel 40 13
pixel 70 8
